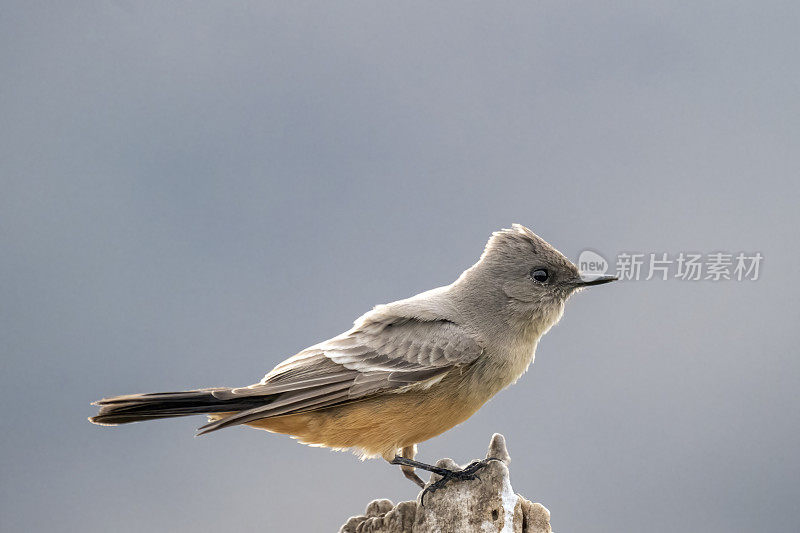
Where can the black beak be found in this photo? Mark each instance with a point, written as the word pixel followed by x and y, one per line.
pixel 580 282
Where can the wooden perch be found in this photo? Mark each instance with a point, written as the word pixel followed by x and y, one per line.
pixel 481 505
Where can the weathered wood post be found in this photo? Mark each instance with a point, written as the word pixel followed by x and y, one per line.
pixel 481 505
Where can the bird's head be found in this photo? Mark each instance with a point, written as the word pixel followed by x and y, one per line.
pixel 535 278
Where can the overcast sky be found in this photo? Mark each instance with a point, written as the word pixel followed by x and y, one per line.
pixel 194 191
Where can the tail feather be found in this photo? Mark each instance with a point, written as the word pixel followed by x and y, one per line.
pixel 152 406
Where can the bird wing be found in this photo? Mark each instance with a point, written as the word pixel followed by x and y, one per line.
pixel 389 355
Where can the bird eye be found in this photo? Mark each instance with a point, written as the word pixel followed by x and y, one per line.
pixel 539 274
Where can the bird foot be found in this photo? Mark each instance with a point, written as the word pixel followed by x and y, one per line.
pixel 467 473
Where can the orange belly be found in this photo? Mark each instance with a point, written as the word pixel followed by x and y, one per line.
pixel 379 425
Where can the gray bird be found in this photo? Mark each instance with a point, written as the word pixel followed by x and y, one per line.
pixel 406 371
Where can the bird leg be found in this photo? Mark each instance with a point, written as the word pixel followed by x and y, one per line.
pixel 408 453
pixel 464 474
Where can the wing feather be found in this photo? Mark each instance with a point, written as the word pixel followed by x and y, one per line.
pixel 371 358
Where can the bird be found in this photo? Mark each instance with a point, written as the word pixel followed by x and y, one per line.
pixel 407 371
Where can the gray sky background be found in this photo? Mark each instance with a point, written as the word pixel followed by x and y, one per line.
pixel 193 191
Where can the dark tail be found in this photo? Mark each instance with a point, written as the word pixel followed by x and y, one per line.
pixel 151 406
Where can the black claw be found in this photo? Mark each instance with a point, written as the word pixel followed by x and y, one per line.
pixel 465 474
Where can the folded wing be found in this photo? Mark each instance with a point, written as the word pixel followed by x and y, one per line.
pixel 374 357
